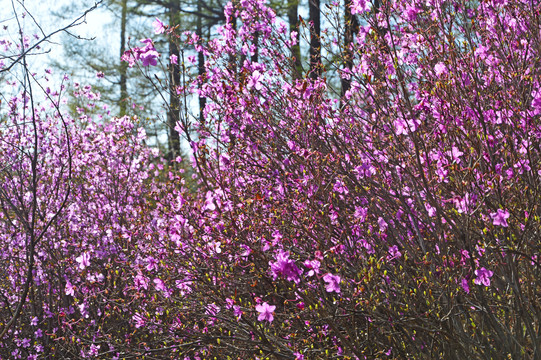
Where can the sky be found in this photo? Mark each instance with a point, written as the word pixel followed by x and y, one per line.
pixel 48 15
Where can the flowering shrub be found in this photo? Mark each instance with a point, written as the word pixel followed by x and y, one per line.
pixel 398 221
pixel 415 194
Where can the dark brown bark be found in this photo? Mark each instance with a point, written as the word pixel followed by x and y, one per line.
pixel 123 65
pixel 351 26
pixel 174 103
pixel 200 60
pixel 315 38
pixel 293 18
pixel 255 56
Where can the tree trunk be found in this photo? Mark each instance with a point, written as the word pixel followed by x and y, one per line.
pixel 200 60
pixel 349 31
pixel 174 103
pixel 315 39
pixel 293 18
pixel 123 64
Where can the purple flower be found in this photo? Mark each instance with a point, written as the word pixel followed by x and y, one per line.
pixel 148 44
pixel 152 263
pixel 255 80
pixel 394 253
pixel 158 26
pixel 160 285
pixel 83 260
pixel 83 309
pixel 265 312
pixel 70 289
pixel 483 276
pixel 237 311
pixel 141 282
pixel 212 309
pixel 128 57
pixel 333 283
pixel 139 320
pixel 412 11
pixel 440 69
pixel 150 58
pixel 94 350
pixel 360 6
pixel 500 217
pixel 340 187
pixel 313 266
pixel 285 267
pixel 465 286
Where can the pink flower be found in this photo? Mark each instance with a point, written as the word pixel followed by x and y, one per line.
pixel 340 187
pixel 440 69
pixel 394 253
pixel 83 260
pixel 160 285
pixel 174 59
pixel 148 45
pixel 212 309
pixel 333 283
pixel 139 320
pixel 285 267
pixel 150 58
pixel 94 350
pixel 158 26
pixel 359 6
pixel 412 11
pixel 70 288
pixel 500 217
pixel 265 312
pixel 313 266
pixel 141 282
pixel 255 81
pixel 483 276
pixel 465 286
pixel 128 57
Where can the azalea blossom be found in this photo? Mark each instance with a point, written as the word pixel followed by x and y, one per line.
pixel 265 312
pixel 150 58
pixel 333 283
pixel 285 267
pixel 465 286
pixel 158 26
pixel 237 312
pixel 483 276
pixel 394 253
pixel 255 81
pixel 500 217
pixel 83 260
pixel 440 69
pixel 212 309
pixel 360 6
pixel 70 288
